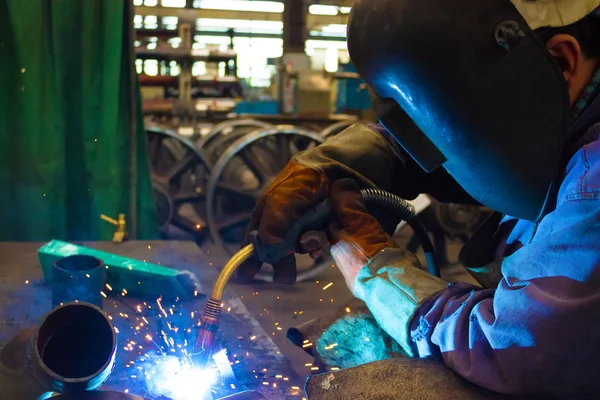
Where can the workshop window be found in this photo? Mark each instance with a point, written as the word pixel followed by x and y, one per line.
pixel 326 54
pixel 174 42
pixel 139 66
pixel 151 67
pixel 150 3
pixel 253 54
pixel 199 68
pixel 150 22
pixel 138 21
pixel 170 23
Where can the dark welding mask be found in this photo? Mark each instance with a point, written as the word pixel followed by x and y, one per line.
pixel 491 103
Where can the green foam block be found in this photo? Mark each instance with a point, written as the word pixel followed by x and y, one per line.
pixel 137 277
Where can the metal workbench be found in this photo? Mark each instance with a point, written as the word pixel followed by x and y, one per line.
pixel 257 362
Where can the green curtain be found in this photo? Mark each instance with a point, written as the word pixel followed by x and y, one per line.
pixel 65 114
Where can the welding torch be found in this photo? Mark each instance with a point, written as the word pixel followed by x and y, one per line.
pixel 316 219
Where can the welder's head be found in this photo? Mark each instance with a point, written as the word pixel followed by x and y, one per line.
pixel 488 82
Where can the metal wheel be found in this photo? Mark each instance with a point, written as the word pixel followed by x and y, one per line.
pixel 179 175
pixel 336 128
pixel 458 220
pixel 241 175
pixel 225 133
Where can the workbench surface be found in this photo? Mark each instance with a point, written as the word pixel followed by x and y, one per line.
pixel 257 362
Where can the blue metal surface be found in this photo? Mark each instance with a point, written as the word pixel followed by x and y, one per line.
pixel 257 107
pixel 350 96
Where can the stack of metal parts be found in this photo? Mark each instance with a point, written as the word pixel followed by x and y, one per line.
pixel 206 187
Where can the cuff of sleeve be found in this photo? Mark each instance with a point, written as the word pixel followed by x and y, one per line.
pixel 393 287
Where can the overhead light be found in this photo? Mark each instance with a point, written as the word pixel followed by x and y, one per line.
pixel 334 28
pixel 174 42
pixel 173 3
pixel 239 25
pixel 170 23
pixel 150 22
pixel 240 5
pixel 150 3
pixel 320 9
pixel 345 10
pixel 138 20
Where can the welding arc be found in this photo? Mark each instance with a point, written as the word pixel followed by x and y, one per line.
pixel 400 207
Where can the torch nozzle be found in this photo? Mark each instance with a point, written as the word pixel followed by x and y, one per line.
pixel 209 324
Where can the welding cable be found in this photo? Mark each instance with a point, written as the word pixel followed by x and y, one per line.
pixel 406 212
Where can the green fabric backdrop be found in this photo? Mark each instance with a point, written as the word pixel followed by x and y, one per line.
pixel 65 122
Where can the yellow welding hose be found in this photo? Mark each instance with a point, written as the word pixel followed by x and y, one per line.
pixel 228 270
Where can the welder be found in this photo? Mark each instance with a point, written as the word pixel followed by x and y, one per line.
pixel 490 102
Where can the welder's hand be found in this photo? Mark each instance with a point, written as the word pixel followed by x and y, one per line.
pixel 296 190
pixel 357 235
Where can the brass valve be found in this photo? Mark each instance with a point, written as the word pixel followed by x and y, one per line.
pixel 121 233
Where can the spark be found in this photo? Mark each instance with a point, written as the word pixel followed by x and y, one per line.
pixel 307 344
pixel 314 368
pixel 160 307
pixel 108 287
pixel 103 294
pixel 328 286
pixel 27 282
pixel 87 275
pixel 347 309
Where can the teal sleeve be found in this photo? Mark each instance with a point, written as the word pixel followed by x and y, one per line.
pixel 393 287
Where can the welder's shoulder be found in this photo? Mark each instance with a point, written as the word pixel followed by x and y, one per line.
pixel 582 181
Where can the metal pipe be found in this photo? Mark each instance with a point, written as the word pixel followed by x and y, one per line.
pixel 77 277
pixel 73 349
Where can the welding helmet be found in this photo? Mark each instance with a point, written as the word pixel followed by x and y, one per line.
pixel 491 103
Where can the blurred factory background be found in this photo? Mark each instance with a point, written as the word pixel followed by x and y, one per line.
pixel 235 88
pixel 174 115
pixel 240 57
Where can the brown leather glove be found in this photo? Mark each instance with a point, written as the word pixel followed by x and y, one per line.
pixel 359 152
pixel 297 189
pixel 357 235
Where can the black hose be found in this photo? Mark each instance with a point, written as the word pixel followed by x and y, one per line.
pixel 406 211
